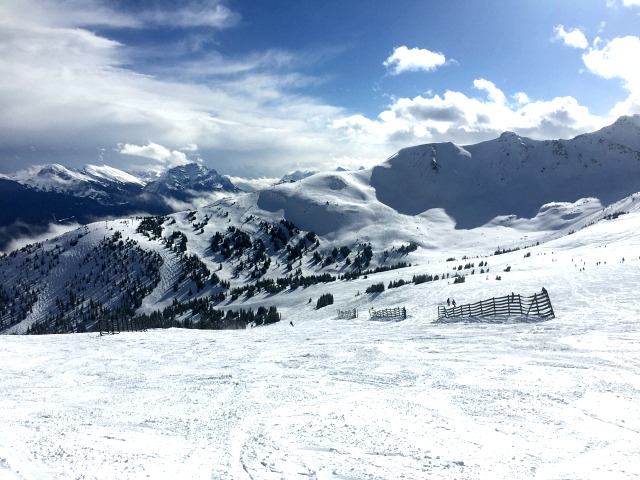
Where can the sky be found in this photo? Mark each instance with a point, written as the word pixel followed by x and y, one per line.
pixel 259 89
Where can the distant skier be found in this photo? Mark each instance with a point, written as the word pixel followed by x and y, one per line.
pixel 453 302
pixel 291 323
pixel 448 302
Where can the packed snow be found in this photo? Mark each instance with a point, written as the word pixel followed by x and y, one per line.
pixel 318 397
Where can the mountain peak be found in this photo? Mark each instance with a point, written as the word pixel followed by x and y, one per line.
pixel 110 174
pixel 181 179
pixel 297 175
pixel 628 121
pixel 56 170
pixel 624 131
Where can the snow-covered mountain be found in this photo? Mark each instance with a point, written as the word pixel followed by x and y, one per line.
pixel 302 174
pixel 313 395
pixel 110 185
pixel 105 184
pixel 511 175
pixel 31 199
pixel 185 182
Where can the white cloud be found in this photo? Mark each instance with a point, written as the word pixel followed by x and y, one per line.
pixel 405 59
pixel 458 118
pixel 194 14
pixel 80 13
pixel 618 59
pixel 52 231
pixel 495 94
pixel 573 38
pixel 253 184
pixel 521 98
pixel 631 3
pixel 154 151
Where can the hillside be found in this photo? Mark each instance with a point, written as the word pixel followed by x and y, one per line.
pixel 250 251
pixel 330 398
pixel 237 256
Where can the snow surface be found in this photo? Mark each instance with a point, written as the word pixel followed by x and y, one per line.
pixel 352 399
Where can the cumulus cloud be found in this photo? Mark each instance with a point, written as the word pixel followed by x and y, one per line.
pixel 405 59
pixel 573 37
pixel 613 60
pixel 616 59
pixel 154 151
pixel 457 117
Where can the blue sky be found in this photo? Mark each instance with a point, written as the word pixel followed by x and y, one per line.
pixel 258 88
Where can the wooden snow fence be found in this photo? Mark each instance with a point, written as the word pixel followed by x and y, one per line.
pixel 537 305
pixel 396 313
pixel 348 314
pixel 109 326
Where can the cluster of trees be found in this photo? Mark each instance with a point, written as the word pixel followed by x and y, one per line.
pixel 324 300
pixel 151 227
pixel 383 268
pixel 177 241
pixel 199 313
pixel 405 250
pixel 397 283
pixel 375 288
pixel 112 278
pixel 280 284
pixel 233 243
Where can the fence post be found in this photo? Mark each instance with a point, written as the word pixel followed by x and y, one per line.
pixel 520 302
pixel 546 294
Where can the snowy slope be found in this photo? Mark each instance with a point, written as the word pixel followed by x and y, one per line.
pixel 511 175
pixel 103 183
pixel 336 399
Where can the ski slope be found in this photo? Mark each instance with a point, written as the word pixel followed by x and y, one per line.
pixel 353 399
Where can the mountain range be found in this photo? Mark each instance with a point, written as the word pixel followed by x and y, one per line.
pixel 96 192
pixel 415 211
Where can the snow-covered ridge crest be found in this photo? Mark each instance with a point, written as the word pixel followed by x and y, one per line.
pixel 511 174
pixel 90 181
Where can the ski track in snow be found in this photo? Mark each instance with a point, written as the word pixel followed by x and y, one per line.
pixel 330 399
